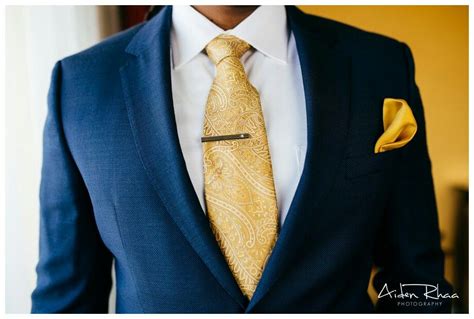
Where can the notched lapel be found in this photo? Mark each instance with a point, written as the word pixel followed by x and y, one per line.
pixel 326 80
pixel 146 83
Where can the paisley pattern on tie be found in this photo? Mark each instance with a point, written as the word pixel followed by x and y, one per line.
pixel 239 188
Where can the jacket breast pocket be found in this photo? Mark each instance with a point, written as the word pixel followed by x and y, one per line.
pixel 364 165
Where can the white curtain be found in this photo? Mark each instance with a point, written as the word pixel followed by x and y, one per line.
pixel 36 37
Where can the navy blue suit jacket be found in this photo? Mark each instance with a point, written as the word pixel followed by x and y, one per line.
pixel 115 186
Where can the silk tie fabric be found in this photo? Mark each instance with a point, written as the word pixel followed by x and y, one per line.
pixel 399 125
pixel 239 189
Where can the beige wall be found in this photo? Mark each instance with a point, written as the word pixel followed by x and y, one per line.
pixel 438 37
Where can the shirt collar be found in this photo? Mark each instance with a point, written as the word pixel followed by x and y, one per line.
pixel 265 30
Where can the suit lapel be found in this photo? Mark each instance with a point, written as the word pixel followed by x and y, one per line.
pixel 146 83
pixel 326 77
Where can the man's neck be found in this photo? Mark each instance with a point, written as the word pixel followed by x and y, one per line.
pixel 226 17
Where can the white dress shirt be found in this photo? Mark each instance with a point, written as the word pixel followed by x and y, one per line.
pixel 274 70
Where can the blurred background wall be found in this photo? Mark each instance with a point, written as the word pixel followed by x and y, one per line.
pixel 36 37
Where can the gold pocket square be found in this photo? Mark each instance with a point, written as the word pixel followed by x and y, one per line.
pixel 398 123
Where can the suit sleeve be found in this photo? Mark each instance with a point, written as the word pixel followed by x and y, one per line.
pixel 408 249
pixel 74 268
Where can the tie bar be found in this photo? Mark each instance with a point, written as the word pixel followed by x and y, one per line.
pixel 240 136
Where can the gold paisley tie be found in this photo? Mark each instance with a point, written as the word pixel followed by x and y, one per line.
pixel 239 188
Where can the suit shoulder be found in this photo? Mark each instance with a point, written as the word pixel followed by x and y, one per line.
pixel 109 52
pixel 354 38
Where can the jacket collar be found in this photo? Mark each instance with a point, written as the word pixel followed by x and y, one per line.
pixel 146 83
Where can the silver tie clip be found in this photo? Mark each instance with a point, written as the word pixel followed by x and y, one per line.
pixel 240 136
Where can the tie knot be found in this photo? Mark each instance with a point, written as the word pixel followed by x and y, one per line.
pixel 224 46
